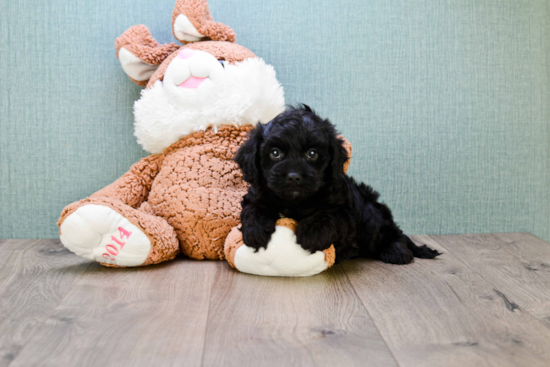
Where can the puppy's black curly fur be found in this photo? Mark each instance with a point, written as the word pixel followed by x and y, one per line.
pixel 294 165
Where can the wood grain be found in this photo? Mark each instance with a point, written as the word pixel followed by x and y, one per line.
pixel 484 302
pixel 535 252
pixel 147 316
pixel 32 283
pixel 517 265
pixel 36 245
pixel 525 245
pixel 442 313
pixel 270 321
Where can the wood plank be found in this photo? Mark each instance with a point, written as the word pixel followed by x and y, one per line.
pixel 33 244
pixel 32 284
pixel 3 260
pixel 518 265
pixel 442 313
pixel 527 247
pixel 148 316
pixel 270 321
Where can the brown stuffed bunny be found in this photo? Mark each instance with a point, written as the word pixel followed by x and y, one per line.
pixel 200 101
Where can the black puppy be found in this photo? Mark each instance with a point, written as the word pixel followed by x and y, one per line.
pixel 294 165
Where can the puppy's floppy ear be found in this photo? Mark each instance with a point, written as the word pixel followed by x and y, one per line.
pixel 247 155
pixel 339 158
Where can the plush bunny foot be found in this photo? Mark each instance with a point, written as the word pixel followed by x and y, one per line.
pixel 116 235
pixel 99 233
pixel 282 257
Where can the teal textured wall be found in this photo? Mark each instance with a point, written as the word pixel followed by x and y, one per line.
pixel 446 102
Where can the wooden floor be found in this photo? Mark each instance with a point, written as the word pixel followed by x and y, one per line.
pixel 484 302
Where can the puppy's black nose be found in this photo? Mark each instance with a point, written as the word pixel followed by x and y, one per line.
pixel 293 178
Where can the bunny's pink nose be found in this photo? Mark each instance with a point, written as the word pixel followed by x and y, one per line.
pixel 185 53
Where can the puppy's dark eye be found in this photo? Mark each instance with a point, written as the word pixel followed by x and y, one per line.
pixel 312 154
pixel 222 63
pixel 276 154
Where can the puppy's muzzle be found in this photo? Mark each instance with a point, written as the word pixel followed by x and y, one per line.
pixel 293 179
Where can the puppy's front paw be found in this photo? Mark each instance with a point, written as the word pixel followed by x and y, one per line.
pixel 312 237
pixel 256 236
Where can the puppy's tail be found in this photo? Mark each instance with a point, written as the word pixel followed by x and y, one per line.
pixel 422 252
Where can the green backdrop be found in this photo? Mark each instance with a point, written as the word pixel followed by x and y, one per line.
pixel 446 102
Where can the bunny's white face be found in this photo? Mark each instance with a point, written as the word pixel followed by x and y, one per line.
pixel 191 76
pixel 199 91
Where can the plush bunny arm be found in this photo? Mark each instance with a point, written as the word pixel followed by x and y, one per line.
pixel 133 187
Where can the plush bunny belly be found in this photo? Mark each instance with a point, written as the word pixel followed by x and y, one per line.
pixel 198 190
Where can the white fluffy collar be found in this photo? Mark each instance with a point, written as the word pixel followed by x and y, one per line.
pixel 248 93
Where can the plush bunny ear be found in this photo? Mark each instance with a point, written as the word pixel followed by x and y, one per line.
pixel 348 148
pixel 140 55
pixel 192 22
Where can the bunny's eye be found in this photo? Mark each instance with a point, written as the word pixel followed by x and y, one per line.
pixel 222 63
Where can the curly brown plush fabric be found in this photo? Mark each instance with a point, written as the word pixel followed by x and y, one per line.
pixel 188 197
pixel 199 190
pixel 349 148
pixel 230 52
pixel 139 41
pixel 134 186
pixel 330 256
pixel 288 223
pixel 164 243
pixel 233 241
pixel 199 15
